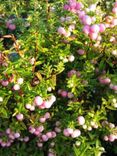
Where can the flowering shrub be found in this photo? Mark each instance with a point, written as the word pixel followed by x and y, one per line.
pixel 58 78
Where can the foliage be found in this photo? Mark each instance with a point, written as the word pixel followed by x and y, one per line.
pixel 58 78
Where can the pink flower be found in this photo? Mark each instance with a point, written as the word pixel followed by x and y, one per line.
pixel 40 128
pixel 64 93
pixel 8 144
pixel 86 29
pixel 40 144
pixel 86 20
pixel 47 104
pixel 104 80
pixel 111 137
pixel 44 137
pixel 28 106
pixel 81 14
pixel 62 19
pixel 20 117
pixel 81 52
pixel 32 108
pixel 51 154
pixel 11 136
pixel 114 10
pixel 8 131
pixel 70 130
pixel 72 4
pixel 16 87
pixel 17 135
pixel 3 144
pixel 49 134
pixel 76 133
pixel 38 101
pixel 79 6
pixel 4 83
pixel 105 138
pixel 66 133
pixel 71 27
pixel 53 134
pixel 61 31
pixel 66 7
pixel 42 106
pixel 42 119
pixel 52 98
pixel 31 129
pixel 95 28
pixel 92 7
pixel 81 120
pixel 26 139
pixel 93 36
pixel 71 72
pixel 68 33
pixel 114 22
pixel 115 87
pixel 37 133
pixel 115 4
pixel 102 27
pixel 47 115
pixel 12 27
pixel 8 23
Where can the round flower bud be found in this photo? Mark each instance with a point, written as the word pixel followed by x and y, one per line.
pixel 20 81
pixel 111 137
pixel 84 126
pixel 32 108
pixel 26 139
pixel 47 115
pixel 76 133
pixel 64 93
pixel 42 119
pixel 12 27
pixel 44 138
pixel 4 83
pixel 61 31
pixel 17 135
pixel 38 101
pixel 20 117
pixel 81 120
pixel 66 133
pixel 31 129
pixel 16 87
pixel 71 58
pixel 81 52
pixel 78 143
pixel 40 144
pixel 86 20
pixel 105 138
pixel 28 106
pixel 1 99
pixel 86 29
pixel 95 28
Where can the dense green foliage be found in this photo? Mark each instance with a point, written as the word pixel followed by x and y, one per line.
pixel 45 54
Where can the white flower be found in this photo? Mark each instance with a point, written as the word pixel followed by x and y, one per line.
pixel 1 99
pixel 20 81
